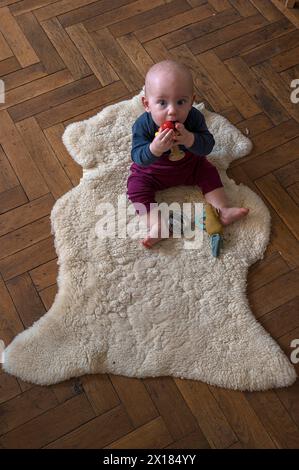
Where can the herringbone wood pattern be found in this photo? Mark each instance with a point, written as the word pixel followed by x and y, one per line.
pixel 63 61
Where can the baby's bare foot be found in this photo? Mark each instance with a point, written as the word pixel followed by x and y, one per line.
pixel 148 242
pixel 153 237
pixel 228 215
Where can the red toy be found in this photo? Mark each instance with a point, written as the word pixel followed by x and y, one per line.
pixel 176 153
pixel 167 125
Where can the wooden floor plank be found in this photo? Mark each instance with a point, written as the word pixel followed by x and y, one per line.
pixel 30 404
pixel 274 294
pixel 5 50
pixel 27 259
pixel 267 9
pixel 278 87
pixel 152 435
pixel 210 418
pixel 66 49
pixel 52 424
pixel 243 419
pixel 285 60
pixel 137 54
pixel 92 55
pixel 226 81
pixel 195 440
pixel 118 59
pixel 54 137
pixel 41 44
pixel 228 33
pixel 255 125
pixel 23 76
pixel 251 40
pixel 20 7
pixel 280 201
pixel 26 299
pixel 52 98
pixel 58 8
pixel 135 396
pixel 282 428
pixel 15 38
pixel 36 88
pixel 100 392
pixel 20 159
pixel 44 157
pixel 283 319
pixel 48 295
pixel 9 65
pixel 266 271
pixel 24 237
pixel 44 275
pixel 200 28
pixel 8 178
pixel 11 198
pixel 81 104
pixel 271 49
pixel 98 433
pixel 158 17
pixel 171 406
pixel 99 16
pixel 265 100
pixel 9 387
pixel 220 5
pixel 26 214
pixel 244 7
pixel 270 141
pixel 202 79
pixel 11 323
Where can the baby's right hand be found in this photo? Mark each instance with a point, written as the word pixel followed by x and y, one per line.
pixel 162 142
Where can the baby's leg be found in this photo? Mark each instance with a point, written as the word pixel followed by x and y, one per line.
pixel 227 214
pixel 156 228
pixel 141 189
pixel 211 185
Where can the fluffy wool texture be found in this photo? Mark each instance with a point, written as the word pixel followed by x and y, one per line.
pixel 125 310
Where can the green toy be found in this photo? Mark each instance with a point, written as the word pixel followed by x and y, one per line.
pixel 209 222
pixel 212 225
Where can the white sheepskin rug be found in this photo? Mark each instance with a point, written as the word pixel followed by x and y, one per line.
pixel 169 311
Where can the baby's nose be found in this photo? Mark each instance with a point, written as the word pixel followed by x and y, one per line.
pixel 172 111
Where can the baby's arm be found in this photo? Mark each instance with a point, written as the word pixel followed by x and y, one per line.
pixel 141 153
pixel 203 139
pixel 162 142
pixel 184 137
pixel 146 151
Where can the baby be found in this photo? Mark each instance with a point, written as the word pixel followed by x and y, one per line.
pixel 169 97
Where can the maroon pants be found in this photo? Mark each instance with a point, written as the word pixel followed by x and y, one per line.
pixel 143 182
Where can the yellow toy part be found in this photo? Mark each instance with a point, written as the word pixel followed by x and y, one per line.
pixel 175 154
pixel 212 222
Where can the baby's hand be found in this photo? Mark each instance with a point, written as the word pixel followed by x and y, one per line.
pixel 183 136
pixel 162 142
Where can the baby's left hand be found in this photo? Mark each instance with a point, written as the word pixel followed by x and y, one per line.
pixel 183 137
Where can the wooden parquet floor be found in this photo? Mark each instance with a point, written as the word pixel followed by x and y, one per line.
pixel 63 61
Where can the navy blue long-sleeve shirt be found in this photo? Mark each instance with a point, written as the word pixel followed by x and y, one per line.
pixel 143 133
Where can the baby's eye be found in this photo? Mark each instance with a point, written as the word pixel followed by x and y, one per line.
pixel 162 102
pixel 180 102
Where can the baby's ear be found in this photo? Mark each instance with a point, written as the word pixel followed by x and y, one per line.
pixel 145 102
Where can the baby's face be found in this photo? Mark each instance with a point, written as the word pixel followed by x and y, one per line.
pixel 168 98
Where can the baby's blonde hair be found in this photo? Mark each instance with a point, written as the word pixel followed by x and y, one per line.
pixel 170 66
